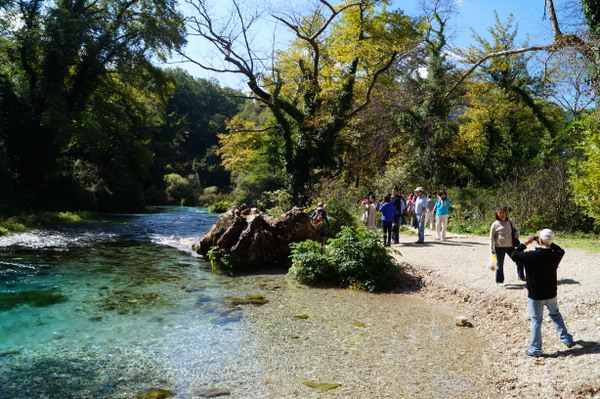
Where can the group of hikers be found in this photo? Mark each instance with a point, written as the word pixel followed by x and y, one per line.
pixel 538 268
pixel 417 210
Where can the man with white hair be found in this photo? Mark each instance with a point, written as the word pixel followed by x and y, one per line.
pixel 540 267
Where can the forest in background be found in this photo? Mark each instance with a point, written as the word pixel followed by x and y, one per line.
pixel 365 98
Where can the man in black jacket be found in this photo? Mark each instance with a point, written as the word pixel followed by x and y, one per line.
pixel 400 205
pixel 540 267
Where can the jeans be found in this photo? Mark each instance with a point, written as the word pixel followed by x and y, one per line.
pixel 500 252
pixel 536 311
pixel 387 233
pixel 421 228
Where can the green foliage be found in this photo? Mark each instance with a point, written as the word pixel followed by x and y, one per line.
pixel 219 259
pixel 211 195
pixel 591 9
pixel 179 189
pixel 472 210
pixel 339 217
pixel 585 170
pixel 311 265
pixel 275 203
pixel 219 206
pixel 354 258
pixel 63 60
pixel 25 222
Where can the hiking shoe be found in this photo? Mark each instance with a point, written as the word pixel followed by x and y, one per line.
pixel 532 354
pixel 571 344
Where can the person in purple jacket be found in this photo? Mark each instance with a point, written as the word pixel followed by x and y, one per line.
pixel 389 211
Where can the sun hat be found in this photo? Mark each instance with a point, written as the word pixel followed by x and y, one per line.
pixel 419 189
pixel 547 236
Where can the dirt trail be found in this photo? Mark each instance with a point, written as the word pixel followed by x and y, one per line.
pixel 454 271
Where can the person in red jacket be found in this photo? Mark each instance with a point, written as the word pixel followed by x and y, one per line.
pixel 540 267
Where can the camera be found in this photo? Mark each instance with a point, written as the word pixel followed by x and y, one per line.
pixel 536 239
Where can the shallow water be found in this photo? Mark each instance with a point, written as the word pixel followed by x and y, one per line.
pixel 117 306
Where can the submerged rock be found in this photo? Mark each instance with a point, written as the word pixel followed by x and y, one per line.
pixel 155 394
pixel 323 386
pixel 36 298
pixel 252 240
pixel 214 393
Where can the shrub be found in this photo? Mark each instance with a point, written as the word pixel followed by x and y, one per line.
pixel 219 207
pixel 311 266
pixel 179 190
pixel 219 259
pixel 354 258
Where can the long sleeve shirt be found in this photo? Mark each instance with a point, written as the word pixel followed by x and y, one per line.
pixel 501 234
pixel 540 269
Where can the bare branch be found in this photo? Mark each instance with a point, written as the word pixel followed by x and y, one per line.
pixel 252 130
pixel 492 55
pixel 381 70
pixel 561 42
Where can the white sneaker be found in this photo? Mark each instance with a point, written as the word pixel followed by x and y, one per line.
pixel 500 284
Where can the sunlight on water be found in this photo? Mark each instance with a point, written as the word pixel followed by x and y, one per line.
pixel 114 307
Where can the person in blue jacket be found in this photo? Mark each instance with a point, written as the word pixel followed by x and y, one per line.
pixel 389 211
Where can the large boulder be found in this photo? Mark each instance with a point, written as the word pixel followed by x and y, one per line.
pixel 255 240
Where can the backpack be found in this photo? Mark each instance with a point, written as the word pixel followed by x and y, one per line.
pixel 317 220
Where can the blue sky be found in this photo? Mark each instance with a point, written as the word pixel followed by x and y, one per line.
pixel 476 14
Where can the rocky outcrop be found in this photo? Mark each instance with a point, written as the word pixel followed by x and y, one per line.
pixel 255 240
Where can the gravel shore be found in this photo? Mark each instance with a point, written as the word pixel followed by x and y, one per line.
pixel 407 345
pixel 454 272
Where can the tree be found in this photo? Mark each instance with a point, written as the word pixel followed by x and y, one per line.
pixel 505 121
pixel 58 55
pixel 425 120
pixel 585 171
pixel 561 41
pixel 323 80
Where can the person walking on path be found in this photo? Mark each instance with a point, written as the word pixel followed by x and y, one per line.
pixel 410 210
pixel 319 219
pixel 502 232
pixel 400 205
pixel 429 214
pixel 420 211
pixel 370 213
pixel 541 265
pixel 388 211
pixel 442 209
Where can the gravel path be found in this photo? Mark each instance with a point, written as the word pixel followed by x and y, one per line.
pixel 454 272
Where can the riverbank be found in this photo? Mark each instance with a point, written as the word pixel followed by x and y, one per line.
pixel 454 272
pixel 365 342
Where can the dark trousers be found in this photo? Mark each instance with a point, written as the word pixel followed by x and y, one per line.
pixel 396 227
pixel 387 233
pixel 500 254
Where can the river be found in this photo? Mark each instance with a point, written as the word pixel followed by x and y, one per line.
pixel 116 306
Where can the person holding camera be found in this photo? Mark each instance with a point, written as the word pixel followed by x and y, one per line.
pixel 502 233
pixel 541 266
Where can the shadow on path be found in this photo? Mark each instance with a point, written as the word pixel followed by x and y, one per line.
pixel 581 348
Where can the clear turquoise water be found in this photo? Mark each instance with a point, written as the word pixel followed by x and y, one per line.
pixel 136 309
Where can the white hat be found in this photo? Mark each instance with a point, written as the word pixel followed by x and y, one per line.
pixel 419 189
pixel 547 236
